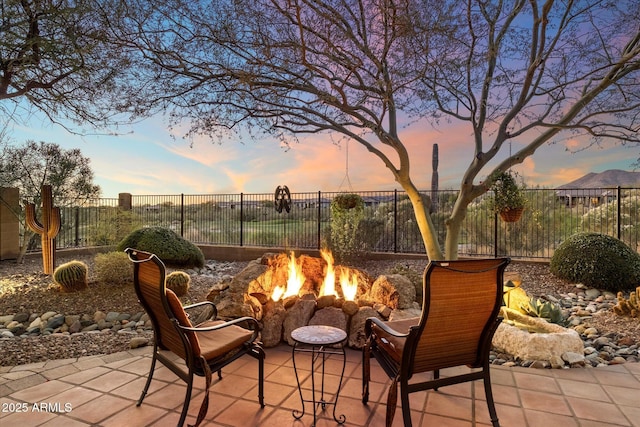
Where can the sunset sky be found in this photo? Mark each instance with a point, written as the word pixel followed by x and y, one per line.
pixel 148 161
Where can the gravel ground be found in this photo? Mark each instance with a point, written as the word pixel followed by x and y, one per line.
pixel 23 288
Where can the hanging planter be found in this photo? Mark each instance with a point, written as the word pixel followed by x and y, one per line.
pixel 511 214
pixel 508 199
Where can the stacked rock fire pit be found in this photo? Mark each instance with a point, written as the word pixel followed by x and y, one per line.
pixel 285 292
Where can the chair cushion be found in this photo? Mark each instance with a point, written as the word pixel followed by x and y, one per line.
pixel 392 344
pixel 183 320
pixel 217 343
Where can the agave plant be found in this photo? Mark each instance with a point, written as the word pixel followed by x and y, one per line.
pixel 547 310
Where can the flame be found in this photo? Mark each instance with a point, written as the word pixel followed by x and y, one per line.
pixel 294 281
pixel 349 285
pixel 329 283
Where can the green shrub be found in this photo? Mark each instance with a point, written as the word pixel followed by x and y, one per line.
pixel 113 268
pixel 172 249
pixel 71 276
pixel 178 282
pixel 597 260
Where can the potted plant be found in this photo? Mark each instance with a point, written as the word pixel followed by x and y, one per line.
pixel 508 199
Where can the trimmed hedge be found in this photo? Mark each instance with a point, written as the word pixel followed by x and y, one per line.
pixel 171 248
pixel 598 261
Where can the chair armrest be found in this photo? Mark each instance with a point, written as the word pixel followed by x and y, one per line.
pixel 382 325
pixel 211 306
pixel 226 324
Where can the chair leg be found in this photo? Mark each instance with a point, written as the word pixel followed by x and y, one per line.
pixel 260 356
pixel 404 399
pixel 149 377
pixel 366 372
pixel 489 396
pixel 392 400
pixel 187 400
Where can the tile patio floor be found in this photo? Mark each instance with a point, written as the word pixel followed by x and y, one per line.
pixel 102 391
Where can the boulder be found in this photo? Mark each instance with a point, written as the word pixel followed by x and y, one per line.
pixel 549 340
pixel 394 290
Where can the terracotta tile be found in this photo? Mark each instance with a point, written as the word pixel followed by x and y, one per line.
pixel 242 414
pixel 597 411
pixel 508 416
pixel 169 397
pixel 583 390
pixel 85 375
pixel 274 393
pixel 431 420
pixel 632 413
pixel 135 416
pixel 501 393
pixel 99 409
pixel 623 395
pixel 545 402
pixel 61 421
pixel 77 396
pixel 546 419
pixel 132 390
pixel 379 416
pixel 27 418
pixel 447 405
pixel 282 418
pixel 621 378
pixel 140 366
pixel 538 381
pixel 41 392
pixel 110 380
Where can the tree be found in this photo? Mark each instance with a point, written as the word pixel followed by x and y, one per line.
pixel 32 165
pixel 54 56
pixel 363 68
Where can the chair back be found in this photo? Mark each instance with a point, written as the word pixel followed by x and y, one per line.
pixel 161 305
pixel 461 302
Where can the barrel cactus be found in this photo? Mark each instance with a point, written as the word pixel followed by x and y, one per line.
pixel 178 282
pixel 71 276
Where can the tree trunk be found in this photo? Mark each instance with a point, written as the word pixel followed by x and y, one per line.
pixel 423 219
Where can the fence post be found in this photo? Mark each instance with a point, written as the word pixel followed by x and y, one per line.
pixel 395 220
pixel 77 226
pixel 619 212
pixel 319 218
pixel 182 214
pixel 495 235
pixel 241 219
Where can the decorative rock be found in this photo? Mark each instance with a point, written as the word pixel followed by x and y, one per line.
pixel 21 317
pixel 350 308
pixel 535 346
pixel 99 315
pixel 272 323
pixel 393 290
pixel 573 359
pixel 112 316
pixel 298 315
pixel 46 316
pixel 357 336
pixel 138 342
pixel 330 316
pixel 592 293
pixel 6 319
pixel 618 360
pixel 556 362
pixel 55 321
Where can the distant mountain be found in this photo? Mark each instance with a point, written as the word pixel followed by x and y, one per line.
pixel 610 178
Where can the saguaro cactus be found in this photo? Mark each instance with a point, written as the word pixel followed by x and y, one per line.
pixel 48 228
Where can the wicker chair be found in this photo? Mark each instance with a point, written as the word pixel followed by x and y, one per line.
pixel 205 348
pixel 461 301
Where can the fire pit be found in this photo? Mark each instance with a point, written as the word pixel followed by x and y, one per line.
pixel 285 292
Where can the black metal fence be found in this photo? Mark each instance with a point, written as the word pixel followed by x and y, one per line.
pixel 388 225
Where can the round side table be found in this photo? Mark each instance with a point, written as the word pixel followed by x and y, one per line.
pixel 322 342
